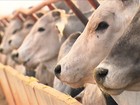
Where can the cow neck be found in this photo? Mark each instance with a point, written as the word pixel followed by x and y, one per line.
pixel 128 98
pixel 19 20
pixel 77 12
pixel 50 65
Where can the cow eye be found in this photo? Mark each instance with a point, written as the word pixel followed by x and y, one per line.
pixel 41 29
pixel 102 26
pixel 14 32
pixel 29 25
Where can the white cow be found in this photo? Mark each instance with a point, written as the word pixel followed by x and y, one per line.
pixel 16 39
pixel 43 42
pixel 51 30
pixel 95 42
pixel 92 94
pixel 14 26
pixel 14 35
pixel 104 28
pixel 118 74
pixel 65 48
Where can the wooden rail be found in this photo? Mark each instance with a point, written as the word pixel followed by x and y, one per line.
pixel 23 90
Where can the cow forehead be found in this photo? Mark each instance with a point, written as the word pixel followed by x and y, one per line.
pixel 14 24
pixel 44 20
pixel 49 17
pixel 104 12
pixel 29 21
pixel 111 7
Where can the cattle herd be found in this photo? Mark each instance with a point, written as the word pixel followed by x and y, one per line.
pixel 83 48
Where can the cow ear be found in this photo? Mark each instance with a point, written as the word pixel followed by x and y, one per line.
pixel 57 14
pixel 39 14
pixel 60 22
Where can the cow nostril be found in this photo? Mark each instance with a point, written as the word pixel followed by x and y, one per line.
pixel 10 41
pixel 1 50
pixel 101 73
pixel 15 55
pixel 57 70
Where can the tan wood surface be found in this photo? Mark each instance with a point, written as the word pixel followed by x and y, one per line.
pixel 27 91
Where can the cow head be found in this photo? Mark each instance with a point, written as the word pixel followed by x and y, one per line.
pixel 43 42
pixel 14 27
pixel 16 39
pixel 104 28
pixel 120 70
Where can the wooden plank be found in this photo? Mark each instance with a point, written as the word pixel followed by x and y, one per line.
pixel 28 84
pixel 27 91
pixel 21 90
pixel 3 100
pixel 18 86
pixel 49 96
pixel 11 75
pixel 40 96
pixel 6 87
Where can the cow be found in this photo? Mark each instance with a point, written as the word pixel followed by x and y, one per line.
pixel 58 23
pixel 118 74
pixel 16 39
pixel 52 32
pixel 104 28
pixel 64 49
pixel 14 26
pixel 92 94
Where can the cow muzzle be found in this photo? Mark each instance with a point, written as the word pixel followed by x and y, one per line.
pixel 100 74
pixel 57 71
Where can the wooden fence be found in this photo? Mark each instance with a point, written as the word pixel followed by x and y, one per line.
pixel 22 90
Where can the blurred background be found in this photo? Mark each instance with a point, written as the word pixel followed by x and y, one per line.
pixel 8 6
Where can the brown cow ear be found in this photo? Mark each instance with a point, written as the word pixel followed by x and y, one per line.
pixel 39 14
pixel 56 14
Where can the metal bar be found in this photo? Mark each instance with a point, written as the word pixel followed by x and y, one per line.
pixel 77 12
pixel 94 3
